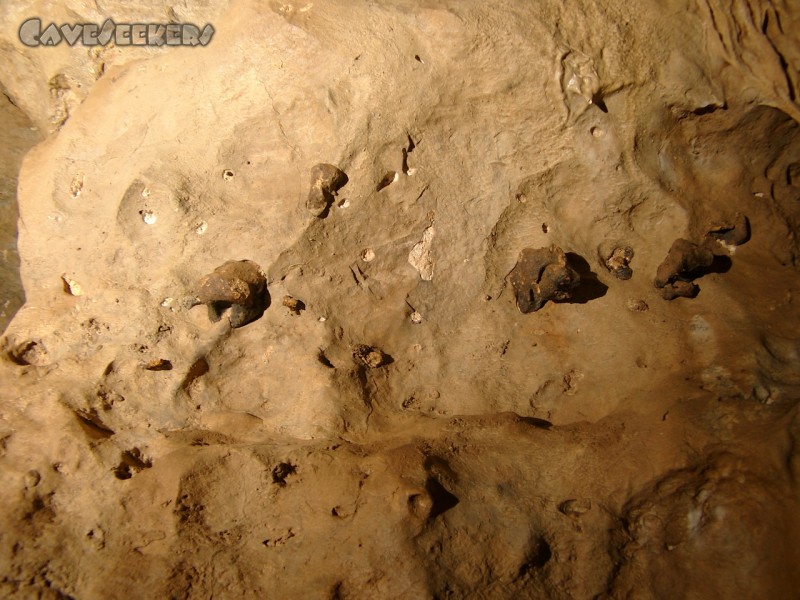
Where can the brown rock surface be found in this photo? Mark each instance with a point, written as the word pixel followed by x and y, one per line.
pixel 611 446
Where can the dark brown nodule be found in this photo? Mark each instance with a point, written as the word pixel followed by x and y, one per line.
pixel 540 275
pixel 238 285
pixel 326 180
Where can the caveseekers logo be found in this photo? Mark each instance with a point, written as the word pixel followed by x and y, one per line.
pixel 123 34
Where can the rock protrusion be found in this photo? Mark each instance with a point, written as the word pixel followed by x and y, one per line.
pixel 540 275
pixel 684 262
pixel 730 233
pixel 238 285
pixel 326 180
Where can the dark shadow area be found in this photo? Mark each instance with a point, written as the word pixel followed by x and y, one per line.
pixel 199 368
pixel 442 499
pixel 599 103
pixel 708 109
pixel 589 288
pixel 18 138
pixel 92 425
pixel 538 556
pixel 721 264
pixel 281 472
pixel 132 462
pixel 324 360
pixel 327 210
pixel 537 422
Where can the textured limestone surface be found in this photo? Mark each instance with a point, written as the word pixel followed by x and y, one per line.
pixel 369 413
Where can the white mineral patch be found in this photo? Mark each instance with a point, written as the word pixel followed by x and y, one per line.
pixel 420 256
pixel 367 255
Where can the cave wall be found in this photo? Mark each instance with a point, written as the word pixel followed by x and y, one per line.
pixel 406 430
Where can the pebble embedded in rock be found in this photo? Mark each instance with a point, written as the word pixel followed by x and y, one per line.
pixel 72 287
pixel 294 305
pixel 238 285
pixel 159 364
pixel 540 275
pixel 370 356
pixel 149 217
pixel 575 507
pixel 326 180
pixel 619 262
pixel 637 305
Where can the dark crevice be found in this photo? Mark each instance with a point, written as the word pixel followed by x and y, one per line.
pixel 324 360
pixel 442 499
pixel 92 425
pixel 600 103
